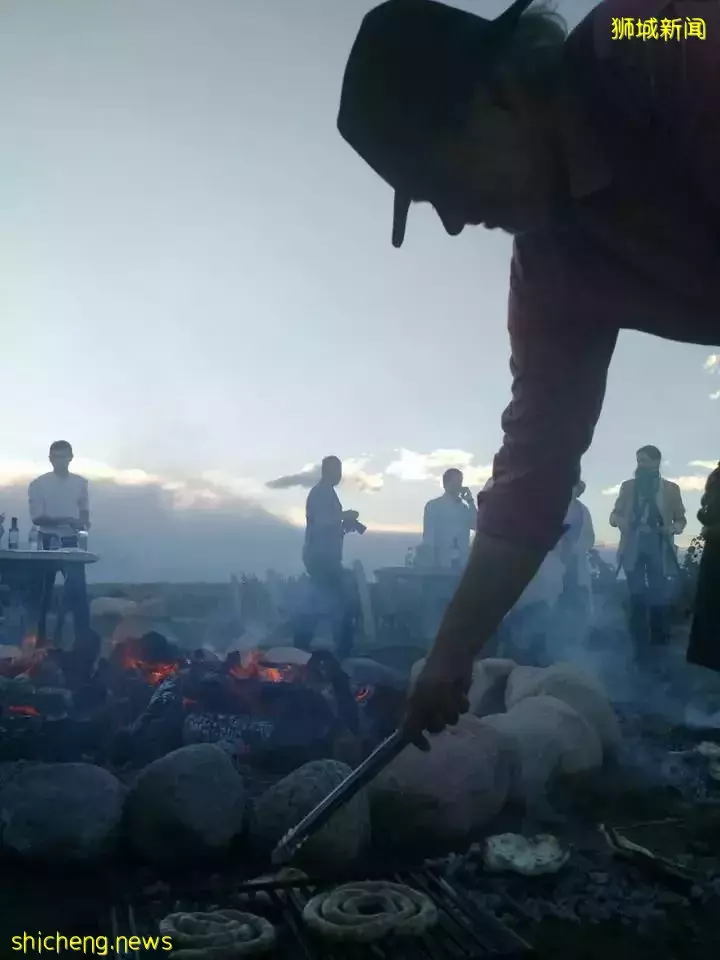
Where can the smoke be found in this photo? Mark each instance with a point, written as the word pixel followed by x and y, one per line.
pixel 353 472
pixel 667 687
pixel 306 479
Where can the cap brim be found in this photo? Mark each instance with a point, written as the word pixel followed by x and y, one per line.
pixel 401 208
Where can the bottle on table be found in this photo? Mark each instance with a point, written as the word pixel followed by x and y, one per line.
pixel 82 538
pixel 13 535
pixel 455 555
pixel 410 557
pixel 33 538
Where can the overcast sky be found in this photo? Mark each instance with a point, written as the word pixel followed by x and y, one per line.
pixel 198 286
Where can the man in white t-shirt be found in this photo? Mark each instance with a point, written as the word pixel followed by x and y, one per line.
pixel 448 523
pixel 59 508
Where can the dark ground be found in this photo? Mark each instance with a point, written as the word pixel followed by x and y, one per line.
pixel 598 906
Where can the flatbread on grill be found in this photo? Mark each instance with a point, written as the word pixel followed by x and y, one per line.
pixel 217 935
pixel 370 910
pixel 529 857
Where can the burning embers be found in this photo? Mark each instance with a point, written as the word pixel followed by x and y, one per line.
pixel 276 708
pixel 150 658
pixel 32 686
pixel 251 665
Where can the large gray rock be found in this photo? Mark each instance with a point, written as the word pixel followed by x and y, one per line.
pixel 281 807
pixel 189 803
pixel 61 811
pixel 549 739
pixel 573 686
pixel 448 793
pixel 487 691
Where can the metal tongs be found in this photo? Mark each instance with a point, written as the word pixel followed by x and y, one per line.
pixel 345 791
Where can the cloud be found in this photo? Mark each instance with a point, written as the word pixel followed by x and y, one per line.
pixel 704 464
pixel 193 531
pixel 210 488
pixel 715 395
pixel 611 491
pixel 712 362
pixel 690 484
pixel 353 472
pixel 414 467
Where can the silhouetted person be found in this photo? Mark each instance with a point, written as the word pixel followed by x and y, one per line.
pixel 59 508
pixel 448 522
pixel 600 156
pixel 704 647
pixel 330 595
pixel 649 513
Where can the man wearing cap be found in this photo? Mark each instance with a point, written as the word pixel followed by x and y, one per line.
pixel 600 153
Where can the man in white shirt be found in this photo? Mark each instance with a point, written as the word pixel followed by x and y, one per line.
pixel 574 550
pixel 448 523
pixel 59 508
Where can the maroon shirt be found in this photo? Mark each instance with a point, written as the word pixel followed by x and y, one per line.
pixel 636 247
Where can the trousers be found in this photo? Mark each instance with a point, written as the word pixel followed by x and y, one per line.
pixel 329 596
pixel 649 595
pixel 75 593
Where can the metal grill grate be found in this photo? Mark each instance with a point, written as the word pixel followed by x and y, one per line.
pixel 464 930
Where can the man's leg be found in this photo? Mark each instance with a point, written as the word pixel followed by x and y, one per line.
pixel 658 594
pixel 336 593
pixel 46 586
pixel 345 636
pixel 638 621
pixel 307 620
pixel 77 600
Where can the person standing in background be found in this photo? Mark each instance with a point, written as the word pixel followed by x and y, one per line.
pixel 649 513
pixel 574 549
pixel 704 646
pixel 448 522
pixel 327 524
pixel 59 508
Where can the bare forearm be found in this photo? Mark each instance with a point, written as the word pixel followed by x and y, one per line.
pixel 496 575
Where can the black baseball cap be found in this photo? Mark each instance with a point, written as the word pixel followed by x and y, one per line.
pixel 411 71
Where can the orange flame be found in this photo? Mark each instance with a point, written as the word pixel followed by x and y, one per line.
pixel 153 673
pixel 252 667
pixel 23 711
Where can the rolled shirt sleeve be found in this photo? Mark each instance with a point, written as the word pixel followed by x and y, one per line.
pixel 559 361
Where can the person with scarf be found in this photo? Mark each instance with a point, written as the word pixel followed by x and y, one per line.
pixel 704 646
pixel 649 513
